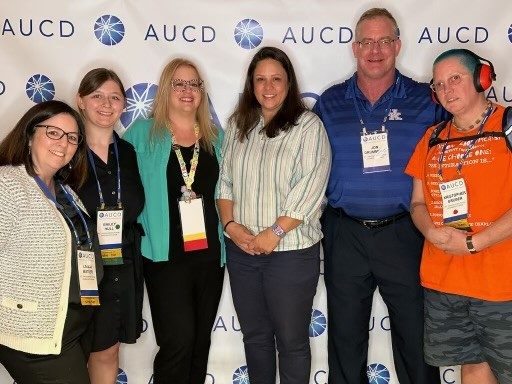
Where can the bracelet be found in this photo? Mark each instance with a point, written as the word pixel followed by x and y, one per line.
pixel 226 225
pixel 278 230
pixel 469 244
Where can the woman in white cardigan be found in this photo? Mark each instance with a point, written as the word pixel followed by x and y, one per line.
pixel 49 264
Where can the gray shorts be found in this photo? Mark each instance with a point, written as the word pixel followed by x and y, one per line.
pixel 462 330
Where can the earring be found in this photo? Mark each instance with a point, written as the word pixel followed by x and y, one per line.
pixel 29 150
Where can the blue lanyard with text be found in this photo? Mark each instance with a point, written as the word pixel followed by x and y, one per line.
pixel 470 145
pixel 386 113
pixel 53 199
pixel 91 160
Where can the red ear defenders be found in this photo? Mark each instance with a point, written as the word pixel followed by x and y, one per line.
pixel 483 75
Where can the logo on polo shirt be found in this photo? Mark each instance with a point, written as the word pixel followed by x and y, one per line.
pixel 394 114
pixel 139 101
pixel 109 30
pixel 40 88
pixel 121 377
pixel 248 33
pixel 318 323
pixel 241 375
pixel 377 374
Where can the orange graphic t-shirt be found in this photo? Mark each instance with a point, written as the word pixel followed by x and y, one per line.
pixel 487 172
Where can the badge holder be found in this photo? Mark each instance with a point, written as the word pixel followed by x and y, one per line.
pixel 455 204
pixel 193 227
pixel 87 277
pixel 375 151
pixel 110 234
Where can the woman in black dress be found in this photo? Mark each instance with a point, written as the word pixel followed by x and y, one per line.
pixel 114 196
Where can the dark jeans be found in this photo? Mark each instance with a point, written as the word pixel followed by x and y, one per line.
pixel 273 295
pixel 356 261
pixel 183 295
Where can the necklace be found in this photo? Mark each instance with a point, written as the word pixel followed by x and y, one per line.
pixel 478 121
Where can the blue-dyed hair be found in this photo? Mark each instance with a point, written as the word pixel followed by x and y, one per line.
pixel 466 57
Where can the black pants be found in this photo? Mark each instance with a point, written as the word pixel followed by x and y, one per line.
pixel 357 260
pixel 273 295
pixel 183 295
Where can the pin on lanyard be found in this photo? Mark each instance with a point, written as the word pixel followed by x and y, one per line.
pixel 93 166
pixel 71 200
pixel 386 113
pixel 188 176
pixel 470 145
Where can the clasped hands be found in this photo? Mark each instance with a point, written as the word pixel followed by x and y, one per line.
pixel 448 239
pixel 264 242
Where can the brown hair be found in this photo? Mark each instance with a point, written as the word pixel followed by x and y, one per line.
pixel 95 78
pixel 160 112
pixel 14 148
pixel 247 113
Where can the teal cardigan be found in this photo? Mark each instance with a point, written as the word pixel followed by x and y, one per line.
pixel 152 159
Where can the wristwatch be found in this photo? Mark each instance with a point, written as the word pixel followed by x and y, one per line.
pixel 278 230
pixel 469 244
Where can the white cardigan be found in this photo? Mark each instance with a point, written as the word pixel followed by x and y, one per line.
pixel 35 266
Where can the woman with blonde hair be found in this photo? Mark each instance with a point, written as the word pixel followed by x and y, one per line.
pixel 178 152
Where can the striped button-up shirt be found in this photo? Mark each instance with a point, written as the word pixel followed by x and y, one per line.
pixel 282 176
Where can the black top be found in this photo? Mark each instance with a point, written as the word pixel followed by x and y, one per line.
pixel 207 173
pixel 132 192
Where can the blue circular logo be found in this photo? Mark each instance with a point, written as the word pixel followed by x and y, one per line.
pixel 241 375
pixel 318 323
pixel 510 33
pixel 121 377
pixel 377 374
pixel 109 30
pixel 139 101
pixel 40 88
pixel 248 34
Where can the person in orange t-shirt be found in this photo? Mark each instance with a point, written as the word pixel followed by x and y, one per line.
pixel 462 203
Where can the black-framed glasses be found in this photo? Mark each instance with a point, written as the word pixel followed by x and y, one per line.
pixel 384 43
pixel 179 85
pixel 441 85
pixel 55 133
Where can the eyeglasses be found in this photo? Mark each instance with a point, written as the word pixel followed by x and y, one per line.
pixel 55 133
pixel 179 85
pixel 452 80
pixel 384 43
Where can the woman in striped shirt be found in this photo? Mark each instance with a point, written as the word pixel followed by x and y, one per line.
pixel 276 161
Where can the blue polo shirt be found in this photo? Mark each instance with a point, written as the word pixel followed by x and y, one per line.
pixel 410 112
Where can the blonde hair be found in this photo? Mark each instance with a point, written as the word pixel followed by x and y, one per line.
pixel 373 13
pixel 160 113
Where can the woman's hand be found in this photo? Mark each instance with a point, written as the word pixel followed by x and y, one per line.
pixel 265 242
pixel 242 237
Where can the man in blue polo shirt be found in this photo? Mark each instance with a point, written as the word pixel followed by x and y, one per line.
pixel 374 120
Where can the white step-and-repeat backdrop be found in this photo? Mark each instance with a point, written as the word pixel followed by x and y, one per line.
pixel 47 46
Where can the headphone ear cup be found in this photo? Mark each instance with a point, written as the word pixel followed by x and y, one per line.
pixel 482 77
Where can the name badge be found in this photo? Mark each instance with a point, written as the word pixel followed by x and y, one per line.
pixel 192 224
pixel 87 278
pixel 110 235
pixel 455 204
pixel 375 151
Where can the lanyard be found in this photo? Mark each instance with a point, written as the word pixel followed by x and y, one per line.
pixel 188 177
pixel 69 197
pixel 386 113
pixel 470 145
pixel 93 165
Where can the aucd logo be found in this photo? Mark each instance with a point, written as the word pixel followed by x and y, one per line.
pixel 109 30
pixel 121 377
pixel 510 33
pixel 241 375
pixel 248 33
pixel 2 88
pixel 377 374
pixel 40 88
pixel 139 100
pixel 318 323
